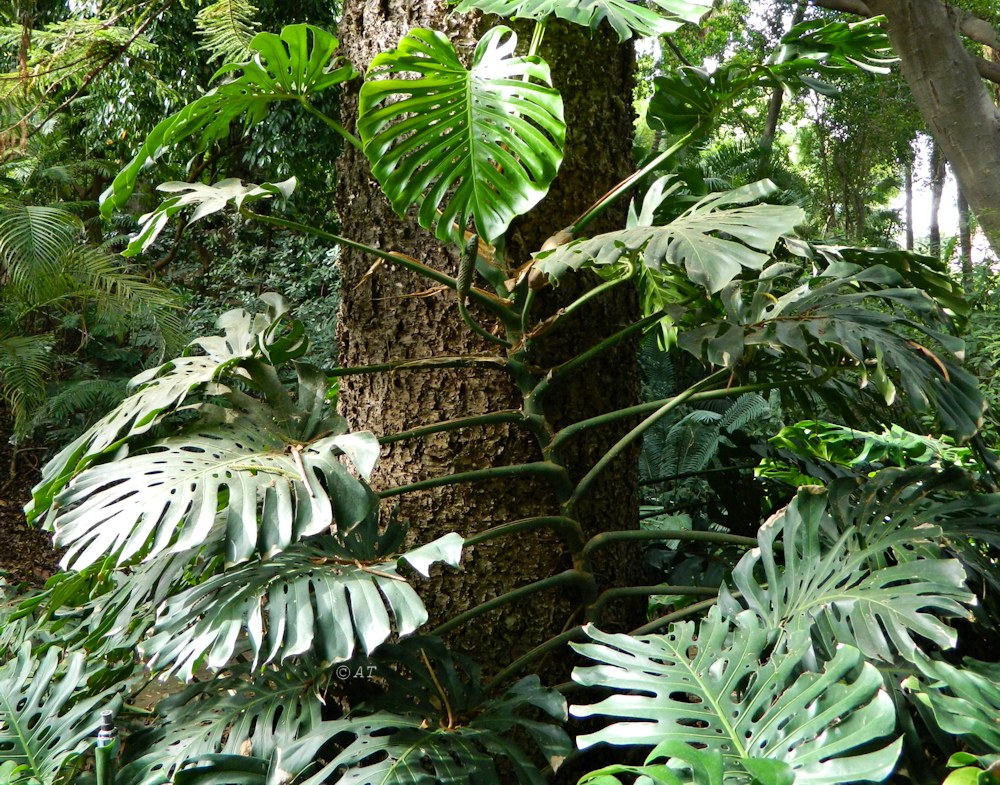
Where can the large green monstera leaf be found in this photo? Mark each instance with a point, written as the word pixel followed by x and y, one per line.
pixel 481 143
pixel 434 727
pixel 271 491
pixel 860 325
pixel 690 98
pixel 315 597
pixel 231 714
pixel 836 577
pixel 291 66
pixel 158 391
pixel 249 468
pixel 47 720
pixel 206 199
pixel 729 688
pixel 714 241
pixel 964 701
pixel 627 17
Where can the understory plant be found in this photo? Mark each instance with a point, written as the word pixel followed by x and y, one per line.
pixel 220 525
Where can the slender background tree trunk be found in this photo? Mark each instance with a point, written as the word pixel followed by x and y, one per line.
pixel 951 97
pixel 965 241
pixel 908 190
pixel 938 174
pixel 389 314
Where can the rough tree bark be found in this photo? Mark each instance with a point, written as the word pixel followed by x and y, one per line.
pixel 389 314
pixel 947 87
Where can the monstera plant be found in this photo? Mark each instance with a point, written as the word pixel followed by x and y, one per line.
pixel 220 521
pixel 778 682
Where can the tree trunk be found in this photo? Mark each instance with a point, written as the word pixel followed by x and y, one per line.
pixel 778 94
pixel 26 19
pixel 952 99
pixel 389 314
pixel 938 174
pixel 965 241
pixel 908 191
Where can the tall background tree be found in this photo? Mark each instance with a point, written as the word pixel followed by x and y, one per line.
pixel 389 315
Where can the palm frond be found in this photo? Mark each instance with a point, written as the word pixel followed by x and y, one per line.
pixel 33 241
pixel 25 368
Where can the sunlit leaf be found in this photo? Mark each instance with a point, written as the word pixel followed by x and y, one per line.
pixel 482 143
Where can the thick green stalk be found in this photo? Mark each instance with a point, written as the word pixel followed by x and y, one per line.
pixel 421 364
pixel 638 535
pixel 483 298
pixel 536 37
pixel 595 609
pixel 565 577
pixel 670 618
pixel 539 651
pixel 560 317
pixel 541 468
pixel 623 444
pixel 477 328
pixel 575 429
pixel 622 188
pixel 348 136
pixel 567 526
pixel 493 418
pixel 568 367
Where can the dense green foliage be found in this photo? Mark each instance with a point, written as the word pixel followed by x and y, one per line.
pixel 218 523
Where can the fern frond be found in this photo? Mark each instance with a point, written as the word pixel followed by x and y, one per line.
pixel 744 410
pixel 83 396
pixel 692 445
pixel 227 26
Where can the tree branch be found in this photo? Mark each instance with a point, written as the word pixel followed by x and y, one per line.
pixel 971 26
pixel 988 69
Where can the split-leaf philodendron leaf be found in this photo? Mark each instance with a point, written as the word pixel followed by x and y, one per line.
pixel 729 687
pixel 208 199
pixel 291 66
pixel 714 241
pixel 819 574
pixel 314 597
pixel 627 17
pixel 481 143
pixel 47 719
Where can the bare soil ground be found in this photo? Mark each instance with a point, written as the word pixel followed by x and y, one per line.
pixel 26 555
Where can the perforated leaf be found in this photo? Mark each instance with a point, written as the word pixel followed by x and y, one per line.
pixel 263 491
pixel 316 598
pixel 713 241
pixel 230 714
pixel 690 98
pixel 483 143
pixel 627 17
pixel 158 391
pixel 810 569
pixel 484 745
pixel 721 688
pixel 291 66
pixel 47 719
pixel 207 199
pixel 862 321
pixel 965 702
